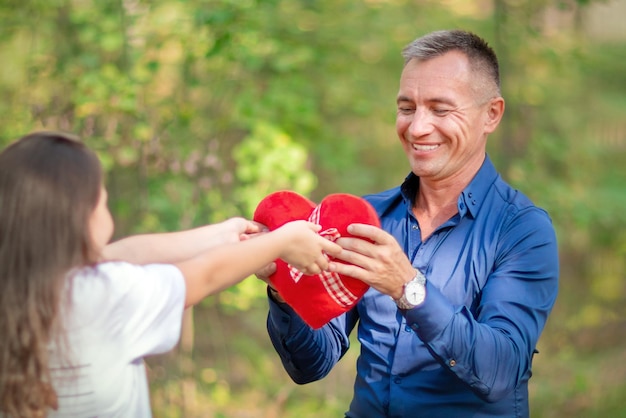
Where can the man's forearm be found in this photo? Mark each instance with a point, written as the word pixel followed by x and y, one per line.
pixel 307 354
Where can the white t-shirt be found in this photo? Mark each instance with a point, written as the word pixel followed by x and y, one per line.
pixel 119 314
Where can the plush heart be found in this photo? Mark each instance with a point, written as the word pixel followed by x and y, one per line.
pixel 318 298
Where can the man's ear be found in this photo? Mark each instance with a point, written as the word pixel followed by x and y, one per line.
pixel 495 110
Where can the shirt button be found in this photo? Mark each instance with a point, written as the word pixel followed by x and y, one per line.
pixel 469 195
pixel 397 380
pixel 414 227
pixel 452 363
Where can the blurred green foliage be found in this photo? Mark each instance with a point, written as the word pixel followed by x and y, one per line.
pixel 199 108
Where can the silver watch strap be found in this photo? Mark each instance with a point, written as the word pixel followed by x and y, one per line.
pixel 403 303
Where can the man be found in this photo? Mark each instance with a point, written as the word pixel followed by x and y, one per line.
pixel 464 271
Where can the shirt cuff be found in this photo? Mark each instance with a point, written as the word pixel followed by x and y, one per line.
pixel 274 295
pixel 430 318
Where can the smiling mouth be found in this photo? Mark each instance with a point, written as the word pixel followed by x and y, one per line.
pixel 418 147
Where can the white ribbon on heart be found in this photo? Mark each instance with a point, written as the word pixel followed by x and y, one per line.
pixel 331 280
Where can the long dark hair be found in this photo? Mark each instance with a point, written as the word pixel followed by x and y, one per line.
pixel 49 186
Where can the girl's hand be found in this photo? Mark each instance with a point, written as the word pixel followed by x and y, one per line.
pixel 239 229
pixel 304 248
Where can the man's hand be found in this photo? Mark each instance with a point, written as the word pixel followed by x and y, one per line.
pixel 264 275
pixel 380 263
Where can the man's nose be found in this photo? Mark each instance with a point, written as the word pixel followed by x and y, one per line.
pixel 421 123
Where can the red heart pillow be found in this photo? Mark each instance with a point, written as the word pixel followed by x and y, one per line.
pixel 322 297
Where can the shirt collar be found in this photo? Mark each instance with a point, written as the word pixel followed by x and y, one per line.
pixel 472 197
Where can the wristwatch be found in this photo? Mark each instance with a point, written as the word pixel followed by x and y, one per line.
pixel 414 292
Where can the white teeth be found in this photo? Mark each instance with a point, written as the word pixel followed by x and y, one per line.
pixel 418 147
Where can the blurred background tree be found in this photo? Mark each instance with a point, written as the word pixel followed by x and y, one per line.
pixel 199 108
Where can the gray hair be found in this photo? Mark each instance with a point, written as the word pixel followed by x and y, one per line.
pixel 481 56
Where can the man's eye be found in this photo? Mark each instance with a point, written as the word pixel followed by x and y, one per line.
pixel 406 110
pixel 440 111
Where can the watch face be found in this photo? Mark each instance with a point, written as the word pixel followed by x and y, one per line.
pixel 414 293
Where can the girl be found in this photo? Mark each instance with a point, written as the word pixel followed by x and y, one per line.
pixel 76 317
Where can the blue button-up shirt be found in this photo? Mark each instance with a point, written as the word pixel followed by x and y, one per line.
pixel 492 279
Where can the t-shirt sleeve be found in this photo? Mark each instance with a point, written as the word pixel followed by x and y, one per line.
pixel 148 306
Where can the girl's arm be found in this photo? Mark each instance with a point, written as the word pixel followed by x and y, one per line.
pixel 172 247
pixel 297 242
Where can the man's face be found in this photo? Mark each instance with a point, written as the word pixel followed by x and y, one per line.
pixel 442 120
